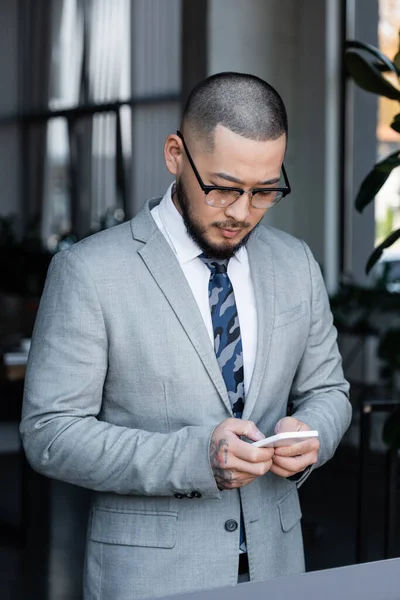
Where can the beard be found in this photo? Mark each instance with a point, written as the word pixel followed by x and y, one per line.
pixel 198 232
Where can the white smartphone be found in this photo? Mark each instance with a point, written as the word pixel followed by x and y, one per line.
pixel 287 438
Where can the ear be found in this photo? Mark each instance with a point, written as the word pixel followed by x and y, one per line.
pixel 173 154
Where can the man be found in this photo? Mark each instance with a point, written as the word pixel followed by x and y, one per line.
pixel 164 346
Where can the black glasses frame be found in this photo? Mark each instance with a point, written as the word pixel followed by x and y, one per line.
pixel 209 188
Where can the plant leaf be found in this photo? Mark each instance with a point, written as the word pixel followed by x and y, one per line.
pixel 375 180
pixel 368 77
pixel 369 49
pixel 381 67
pixel 377 253
pixel 396 123
pixel 391 429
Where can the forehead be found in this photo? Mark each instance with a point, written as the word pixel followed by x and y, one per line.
pixel 244 158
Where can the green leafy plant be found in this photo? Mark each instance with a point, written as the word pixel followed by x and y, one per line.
pixel 368 67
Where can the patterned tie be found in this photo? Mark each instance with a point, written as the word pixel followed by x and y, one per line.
pixel 227 341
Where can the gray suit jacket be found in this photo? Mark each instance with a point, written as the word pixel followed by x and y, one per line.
pixel 123 392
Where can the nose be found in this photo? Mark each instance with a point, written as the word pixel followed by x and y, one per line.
pixel 240 209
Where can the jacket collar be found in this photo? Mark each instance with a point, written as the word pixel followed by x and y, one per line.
pixel 163 265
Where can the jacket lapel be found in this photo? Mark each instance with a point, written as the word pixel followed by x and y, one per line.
pixel 262 274
pixel 165 269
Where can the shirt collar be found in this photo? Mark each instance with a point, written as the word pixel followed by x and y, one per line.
pixel 185 248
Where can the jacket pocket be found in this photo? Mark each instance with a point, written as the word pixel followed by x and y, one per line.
pixel 289 510
pixel 290 316
pixel 134 527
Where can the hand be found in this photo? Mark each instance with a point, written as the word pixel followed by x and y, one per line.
pixel 290 460
pixel 236 463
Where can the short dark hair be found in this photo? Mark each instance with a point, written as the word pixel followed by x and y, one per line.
pixel 245 104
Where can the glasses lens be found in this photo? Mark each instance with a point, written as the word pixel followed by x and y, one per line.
pixel 266 199
pixel 221 198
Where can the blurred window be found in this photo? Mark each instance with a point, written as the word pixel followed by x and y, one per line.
pixel 101 91
pixel 90 65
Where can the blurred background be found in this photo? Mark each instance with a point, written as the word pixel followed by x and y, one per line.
pixel 91 89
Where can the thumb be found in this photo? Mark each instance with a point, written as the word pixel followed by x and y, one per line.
pixel 290 424
pixel 247 429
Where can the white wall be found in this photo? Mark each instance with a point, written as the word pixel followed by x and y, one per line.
pixel 287 43
pixel 282 42
pixel 9 140
pixel 361 146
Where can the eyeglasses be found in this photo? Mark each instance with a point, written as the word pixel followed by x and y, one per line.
pixel 221 196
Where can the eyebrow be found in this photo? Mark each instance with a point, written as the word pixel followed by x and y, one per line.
pixel 235 180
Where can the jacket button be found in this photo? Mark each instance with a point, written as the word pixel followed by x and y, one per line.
pixel 179 496
pixel 231 525
pixel 196 495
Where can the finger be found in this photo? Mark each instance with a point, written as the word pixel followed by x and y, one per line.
pixel 230 452
pixel 280 472
pixel 250 453
pixel 305 447
pixel 234 453
pixel 295 464
pixel 253 469
pixel 245 428
pixel 290 424
pixel 234 480
pixel 292 465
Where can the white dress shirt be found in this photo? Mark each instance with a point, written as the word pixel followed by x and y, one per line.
pixel 171 224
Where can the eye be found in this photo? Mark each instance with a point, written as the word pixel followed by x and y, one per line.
pixel 226 193
pixel 265 193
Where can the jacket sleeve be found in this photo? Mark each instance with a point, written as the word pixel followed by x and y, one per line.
pixel 61 432
pixel 320 392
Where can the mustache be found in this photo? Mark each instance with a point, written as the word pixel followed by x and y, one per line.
pixel 231 225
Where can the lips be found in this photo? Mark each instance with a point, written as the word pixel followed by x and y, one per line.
pixel 230 233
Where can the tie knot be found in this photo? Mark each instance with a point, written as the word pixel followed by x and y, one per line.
pixel 214 264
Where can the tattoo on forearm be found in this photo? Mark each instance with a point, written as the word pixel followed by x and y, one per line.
pixel 219 460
